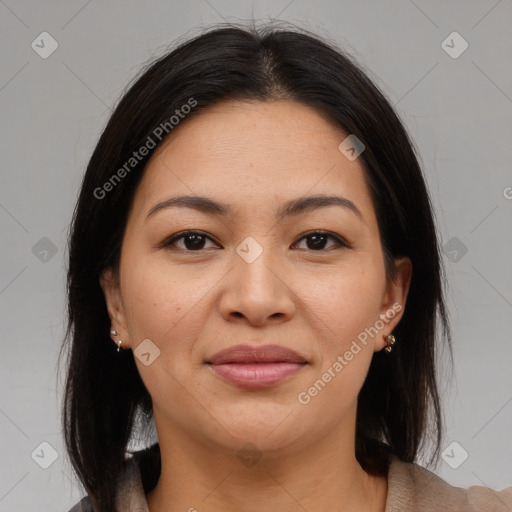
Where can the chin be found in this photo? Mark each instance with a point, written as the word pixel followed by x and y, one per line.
pixel 268 428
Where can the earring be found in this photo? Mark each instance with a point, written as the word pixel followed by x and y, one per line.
pixel 390 340
pixel 114 333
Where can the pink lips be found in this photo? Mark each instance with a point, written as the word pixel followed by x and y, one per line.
pixel 256 367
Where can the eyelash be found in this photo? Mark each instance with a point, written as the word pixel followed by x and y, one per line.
pixel 169 242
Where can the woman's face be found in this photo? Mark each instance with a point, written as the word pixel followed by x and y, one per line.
pixel 255 275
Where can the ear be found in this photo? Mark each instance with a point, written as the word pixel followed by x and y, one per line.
pixel 394 300
pixel 109 283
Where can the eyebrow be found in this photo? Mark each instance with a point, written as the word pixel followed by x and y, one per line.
pixel 290 208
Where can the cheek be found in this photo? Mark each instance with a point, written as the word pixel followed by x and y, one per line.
pixel 164 304
pixel 344 303
pixel 344 306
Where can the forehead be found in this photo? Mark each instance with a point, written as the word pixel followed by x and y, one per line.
pixel 253 153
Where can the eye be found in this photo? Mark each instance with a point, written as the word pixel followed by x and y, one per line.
pixel 317 240
pixel 193 241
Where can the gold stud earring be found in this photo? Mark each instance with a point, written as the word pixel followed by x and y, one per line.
pixel 390 340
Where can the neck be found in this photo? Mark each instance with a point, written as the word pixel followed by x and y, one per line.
pixel 322 476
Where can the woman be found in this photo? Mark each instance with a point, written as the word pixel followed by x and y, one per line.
pixel 254 265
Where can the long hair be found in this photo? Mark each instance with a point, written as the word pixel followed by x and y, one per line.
pixel 398 407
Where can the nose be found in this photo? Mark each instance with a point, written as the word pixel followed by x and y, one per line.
pixel 257 293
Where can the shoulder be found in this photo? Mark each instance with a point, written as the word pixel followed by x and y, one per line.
pixel 412 487
pixel 130 494
pixel 84 505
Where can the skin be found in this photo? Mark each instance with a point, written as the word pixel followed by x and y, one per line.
pixel 193 300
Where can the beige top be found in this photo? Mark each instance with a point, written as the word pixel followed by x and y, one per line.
pixel 411 488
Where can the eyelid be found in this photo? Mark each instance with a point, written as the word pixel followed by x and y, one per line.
pixel 181 234
pixel 339 239
pixel 168 242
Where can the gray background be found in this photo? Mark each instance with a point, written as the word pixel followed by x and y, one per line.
pixel 458 111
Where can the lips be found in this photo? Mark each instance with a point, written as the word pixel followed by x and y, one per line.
pixel 264 354
pixel 256 367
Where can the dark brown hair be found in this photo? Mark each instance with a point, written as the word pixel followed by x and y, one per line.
pixel 398 407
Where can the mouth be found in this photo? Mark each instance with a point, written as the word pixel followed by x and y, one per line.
pixel 256 367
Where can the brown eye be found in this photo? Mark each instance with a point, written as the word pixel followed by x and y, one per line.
pixel 317 240
pixel 192 241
